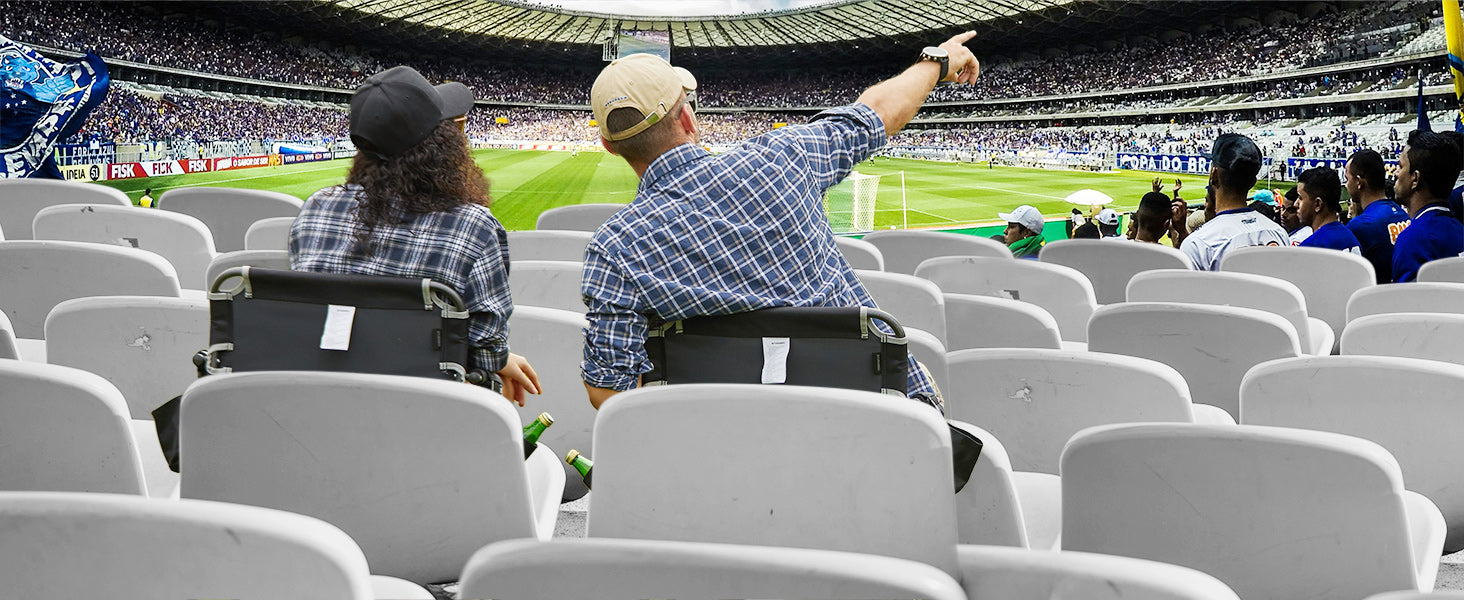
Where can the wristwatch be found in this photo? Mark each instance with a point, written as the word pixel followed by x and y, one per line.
pixel 935 54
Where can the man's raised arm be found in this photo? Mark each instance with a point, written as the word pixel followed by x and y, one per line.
pixel 897 99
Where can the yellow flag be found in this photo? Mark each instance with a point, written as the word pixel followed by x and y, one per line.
pixel 501 120
pixel 779 124
pixel 1454 30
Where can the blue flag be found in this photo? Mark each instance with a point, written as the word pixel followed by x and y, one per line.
pixel 41 103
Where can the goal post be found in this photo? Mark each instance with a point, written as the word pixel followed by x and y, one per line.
pixel 851 205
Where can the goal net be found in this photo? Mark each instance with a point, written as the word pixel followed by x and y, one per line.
pixel 852 203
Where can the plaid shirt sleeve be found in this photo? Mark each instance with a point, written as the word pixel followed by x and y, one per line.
pixel 491 304
pixel 837 140
pixel 614 349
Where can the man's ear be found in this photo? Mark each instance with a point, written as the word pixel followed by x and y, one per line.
pixel 686 119
pixel 606 143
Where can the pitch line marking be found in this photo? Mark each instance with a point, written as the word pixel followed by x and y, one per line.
pixel 169 187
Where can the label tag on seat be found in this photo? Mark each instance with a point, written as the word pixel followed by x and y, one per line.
pixel 337 334
pixel 775 360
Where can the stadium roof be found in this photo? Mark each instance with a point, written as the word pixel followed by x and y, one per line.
pixel 833 21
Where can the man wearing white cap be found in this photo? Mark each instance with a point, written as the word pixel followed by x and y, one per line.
pixel 1108 224
pixel 1024 231
pixel 735 232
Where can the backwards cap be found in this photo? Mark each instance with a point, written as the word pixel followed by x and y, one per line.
pixel 644 82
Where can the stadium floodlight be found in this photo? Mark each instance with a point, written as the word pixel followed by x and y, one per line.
pixel 1089 198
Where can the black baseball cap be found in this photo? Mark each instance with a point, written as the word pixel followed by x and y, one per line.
pixel 1236 153
pixel 397 109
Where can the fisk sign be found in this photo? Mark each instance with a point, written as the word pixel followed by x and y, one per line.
pixel 156 168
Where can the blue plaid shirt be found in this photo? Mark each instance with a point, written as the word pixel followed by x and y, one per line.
pixel 712 235
pixel 464 248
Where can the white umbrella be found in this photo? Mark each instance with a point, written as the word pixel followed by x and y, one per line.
pixel 1089 198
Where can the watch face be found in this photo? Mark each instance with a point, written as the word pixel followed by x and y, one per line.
pixel 935 52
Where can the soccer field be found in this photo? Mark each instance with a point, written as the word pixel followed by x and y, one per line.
pixel 526 183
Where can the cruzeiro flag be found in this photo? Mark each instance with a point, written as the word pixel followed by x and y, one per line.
pixel 41 103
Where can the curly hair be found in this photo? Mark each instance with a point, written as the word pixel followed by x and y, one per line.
pixel 436 175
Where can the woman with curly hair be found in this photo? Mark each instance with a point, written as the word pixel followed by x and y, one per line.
pixel 415 205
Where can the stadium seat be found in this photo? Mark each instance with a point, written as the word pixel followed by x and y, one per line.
pixel 913 301
pixel 929 352
pixel 1326 278
pixel 138 548
pixel 39 274
pixel 861 255
pixel 1211 346
pixel 272 233
pixel 987 322
pixel 229 212
pixel 420 472
pixel 1359 396
pixel 1036 399
pixel 537 244
pixel 264 259
pixel 624 568
pixel 1416 296
pixel 577 217
pixel 65 430
pixel 183 240
pixel 1407 595
pixel 143 345
pixel 1110 265
pixel 553 341
pixel 547 283
pixel 1430 336
pixel 996 572
pixel 775 465
pixel 1002 507
pixel 1447 270
pixel 8 349
pixel 1275 296
pixel 1063 292
pixel 23 198
pixel 905 249
pixel 1272 512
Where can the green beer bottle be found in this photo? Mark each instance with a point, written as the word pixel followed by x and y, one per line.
pixel 581 464
pixel 533 431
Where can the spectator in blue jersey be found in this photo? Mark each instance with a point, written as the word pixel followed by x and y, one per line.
pixel 1318 204
pixel 1426 171
pixel 1231 223
pixel 1456 197
pixel 1379 219
pixel 735 232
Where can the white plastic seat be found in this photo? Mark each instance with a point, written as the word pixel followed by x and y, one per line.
pixel 1359 395
pixel 272 233
pixel 264 259
pixel 1407 595
pixel 913 301
pixel 1016 574
pixel 1415 296
pixel 859 253
pixel 420 472
pixel 1443 270
pixel 553 340
pixel 621 568
pixel 929 352
pixel 142 345
pixel 546 244
pixel 1429 336
pixel 183 240
pixel 987 322
pixel 71 545
pixel 577 217
pixel 905 249
pixel 547 283
pixel 1326 277
pixel 791 466
pixel 23 198
pixel 1245 290
pixel 1211 346
pixel 1272 512
pixel 8 347
pixel 1036 399
pixel 1003 507
pixel 1063 292
pixel 229 212
pixel 65 430
pixel 39 274
pixel 1109 265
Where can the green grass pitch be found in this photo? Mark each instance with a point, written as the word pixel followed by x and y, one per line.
pixel 526 183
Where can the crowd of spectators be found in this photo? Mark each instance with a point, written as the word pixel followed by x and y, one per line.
pixel 127 116
pixel 135 35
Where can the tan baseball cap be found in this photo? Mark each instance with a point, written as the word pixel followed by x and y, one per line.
pixel 645 82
